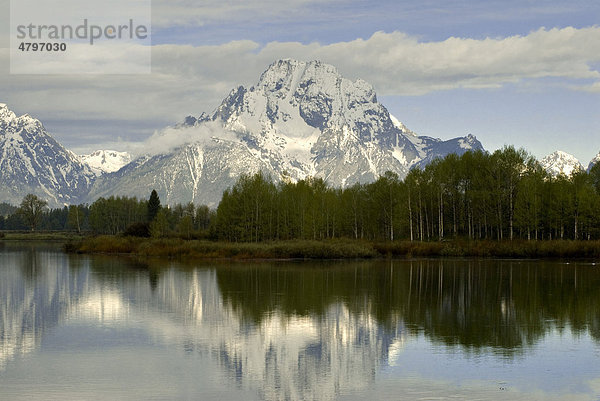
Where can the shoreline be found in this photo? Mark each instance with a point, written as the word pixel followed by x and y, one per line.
pixel 333 249
pixel 50 236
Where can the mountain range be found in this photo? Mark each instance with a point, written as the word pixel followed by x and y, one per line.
pixel 300 119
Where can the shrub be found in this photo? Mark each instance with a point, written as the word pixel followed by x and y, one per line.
pixel 137 230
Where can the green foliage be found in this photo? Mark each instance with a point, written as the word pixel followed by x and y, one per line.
pixel 185 227
pixel 153 205
pixel 104 244
pixel 31 210
pixel 54 219
pixel 176 247
pixel 203 217
pixel 76 217
pixel 595 176
pixel 159 227
pixel 336 248
pixel 6 209
pixel 478 196
pixel 113 215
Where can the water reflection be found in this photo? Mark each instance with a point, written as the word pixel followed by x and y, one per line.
pixel 505 305
pixel 297 331
pixel 36 288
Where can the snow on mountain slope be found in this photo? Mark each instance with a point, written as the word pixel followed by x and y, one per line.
pixel 106 161
pixel 194 173
pixel 561 163
pixel 595 160
pixel 31 161
pixel 301 119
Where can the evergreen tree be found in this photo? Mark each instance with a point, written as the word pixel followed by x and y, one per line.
pixel 153 205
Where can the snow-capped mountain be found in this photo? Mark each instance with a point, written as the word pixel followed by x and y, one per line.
pixel 106 161
pixel 31 161
pixel 301 119
pixel 561 163
pixel 595 160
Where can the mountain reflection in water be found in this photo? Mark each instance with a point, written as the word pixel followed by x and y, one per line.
pixel 297 330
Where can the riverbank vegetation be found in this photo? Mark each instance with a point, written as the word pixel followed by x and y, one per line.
pixel 46 236
pixel 333 248
pixel 479 204
pixel 185 249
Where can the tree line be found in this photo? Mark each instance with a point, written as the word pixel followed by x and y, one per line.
pixel 478 195
pixel 113 215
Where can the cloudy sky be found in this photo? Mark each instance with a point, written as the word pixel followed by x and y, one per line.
pixel 522 72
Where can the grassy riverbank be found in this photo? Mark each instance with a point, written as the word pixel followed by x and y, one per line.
pixel 333 249
pixel 49 236
pixel 518 249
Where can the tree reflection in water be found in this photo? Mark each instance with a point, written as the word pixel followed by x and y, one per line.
pixel 506 305
pixel 299 330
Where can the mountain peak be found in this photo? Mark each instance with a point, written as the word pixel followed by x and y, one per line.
pixel 7 116
pixel 288 68
pixel 297 78
pixel 31 161
pixel 302 119
pixel 28 121
pixel 106 161
pixel 470 142
pixel 561 163
pixel 560 153
pixel 300 96
pixel 5 113
pixel 595 160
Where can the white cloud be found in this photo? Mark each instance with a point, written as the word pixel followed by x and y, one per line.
pixel 192 79
pixel 595 87
pixel 170 138
pixel 397 64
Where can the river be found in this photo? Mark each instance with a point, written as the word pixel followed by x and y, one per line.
pixel 96 327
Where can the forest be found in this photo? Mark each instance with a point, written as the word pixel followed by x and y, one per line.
pixel 502 195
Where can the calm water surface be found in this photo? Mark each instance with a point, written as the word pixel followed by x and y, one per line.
pixel 88 327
